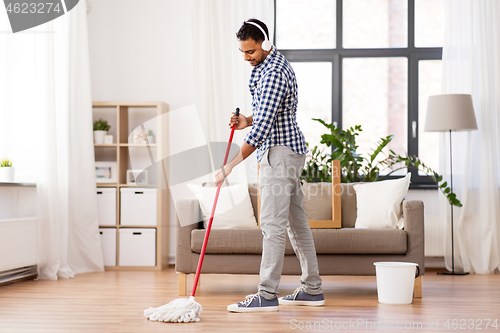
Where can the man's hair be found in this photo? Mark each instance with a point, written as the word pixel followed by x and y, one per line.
pixel 249 31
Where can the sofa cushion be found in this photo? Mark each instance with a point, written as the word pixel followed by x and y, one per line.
pixel 317 201
pixel 360 241
pixel 253 191
pixel 327 241
pixel 348 204
pixel 379 203
pixel 228 241
pixel 234 208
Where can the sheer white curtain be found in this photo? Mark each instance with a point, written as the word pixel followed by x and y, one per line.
pixel 221 75
pixel 471 65
pixel 45 87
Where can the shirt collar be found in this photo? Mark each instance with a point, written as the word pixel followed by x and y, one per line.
pixel 267 60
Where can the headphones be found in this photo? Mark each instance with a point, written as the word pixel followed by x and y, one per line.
pixel 266 44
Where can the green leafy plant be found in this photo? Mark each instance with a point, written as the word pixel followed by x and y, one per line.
pixel 358 168
pixel 150 133
pixel 6 163
pixel 317 168
pixel 101 125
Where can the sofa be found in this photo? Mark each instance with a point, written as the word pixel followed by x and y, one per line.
pixel 343 251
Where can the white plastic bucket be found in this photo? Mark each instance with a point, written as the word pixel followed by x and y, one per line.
pixel 395 281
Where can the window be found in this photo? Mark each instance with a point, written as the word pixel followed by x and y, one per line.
pixel 372 63
pixel 315 97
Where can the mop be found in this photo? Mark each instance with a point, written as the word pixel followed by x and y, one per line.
pixel 186 310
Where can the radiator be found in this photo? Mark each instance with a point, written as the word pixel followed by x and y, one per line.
pixel 18 248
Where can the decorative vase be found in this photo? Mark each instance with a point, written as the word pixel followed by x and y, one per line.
pixel 99 137
pixel 6 174
pixel 151 139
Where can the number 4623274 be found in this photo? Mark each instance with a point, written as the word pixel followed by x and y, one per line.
pixel 32 8
pixel 471 324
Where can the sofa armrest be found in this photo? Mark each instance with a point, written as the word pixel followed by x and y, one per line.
pixel 413 214
pixel 188 211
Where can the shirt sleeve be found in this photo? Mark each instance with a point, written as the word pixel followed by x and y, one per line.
pixel 264 116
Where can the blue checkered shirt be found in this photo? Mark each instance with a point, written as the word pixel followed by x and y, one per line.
pixel 274 102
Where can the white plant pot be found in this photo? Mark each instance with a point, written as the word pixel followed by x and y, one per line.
pixel 99 137
pixel 151 138
pixel 6 174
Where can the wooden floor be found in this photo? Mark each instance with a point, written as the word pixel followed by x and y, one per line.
pixel 115 301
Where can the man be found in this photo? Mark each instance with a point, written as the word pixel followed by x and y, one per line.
pixel 281 150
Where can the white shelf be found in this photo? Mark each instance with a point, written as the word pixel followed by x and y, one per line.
pixel 119 115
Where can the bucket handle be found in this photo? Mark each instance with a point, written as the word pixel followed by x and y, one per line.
pixel 418 272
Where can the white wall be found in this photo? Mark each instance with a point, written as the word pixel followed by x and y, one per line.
pixel 142 51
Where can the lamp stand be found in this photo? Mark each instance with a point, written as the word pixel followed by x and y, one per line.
pixel 452 234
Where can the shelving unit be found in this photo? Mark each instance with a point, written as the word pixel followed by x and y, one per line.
pixel 124 116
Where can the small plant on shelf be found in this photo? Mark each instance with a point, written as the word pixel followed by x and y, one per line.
pixel 6 163
pixel 101 128
pixel 6 171
pixel 101 125
pixel 151 136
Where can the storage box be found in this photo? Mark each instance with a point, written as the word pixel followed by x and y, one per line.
pixel 106 203
pixel 108 243
pixel 138 206
pixel 137 247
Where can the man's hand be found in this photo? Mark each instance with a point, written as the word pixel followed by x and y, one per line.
pixel 241 122
pixel 222 173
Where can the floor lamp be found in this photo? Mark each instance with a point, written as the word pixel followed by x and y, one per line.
pixel 447 113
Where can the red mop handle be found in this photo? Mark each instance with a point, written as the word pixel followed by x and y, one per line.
pixel 207 233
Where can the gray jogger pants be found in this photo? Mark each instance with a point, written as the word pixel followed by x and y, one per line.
pixel 282 210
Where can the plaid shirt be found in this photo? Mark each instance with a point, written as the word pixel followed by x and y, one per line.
pixel 274 102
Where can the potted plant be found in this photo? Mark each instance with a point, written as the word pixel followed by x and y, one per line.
pixel 101 128
pixel 151 136
pixel 6 171
pixel 358 168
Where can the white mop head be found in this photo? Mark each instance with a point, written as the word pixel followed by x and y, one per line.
pixel 181 310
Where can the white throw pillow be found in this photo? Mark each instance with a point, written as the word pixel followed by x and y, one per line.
pixel 234 208
pixel 379 203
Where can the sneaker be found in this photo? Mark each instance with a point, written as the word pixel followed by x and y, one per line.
pixel 300 297
pixel 254 303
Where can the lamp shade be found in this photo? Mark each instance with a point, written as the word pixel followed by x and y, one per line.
pixel 450 112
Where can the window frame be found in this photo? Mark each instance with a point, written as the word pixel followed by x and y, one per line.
pixel 413 54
